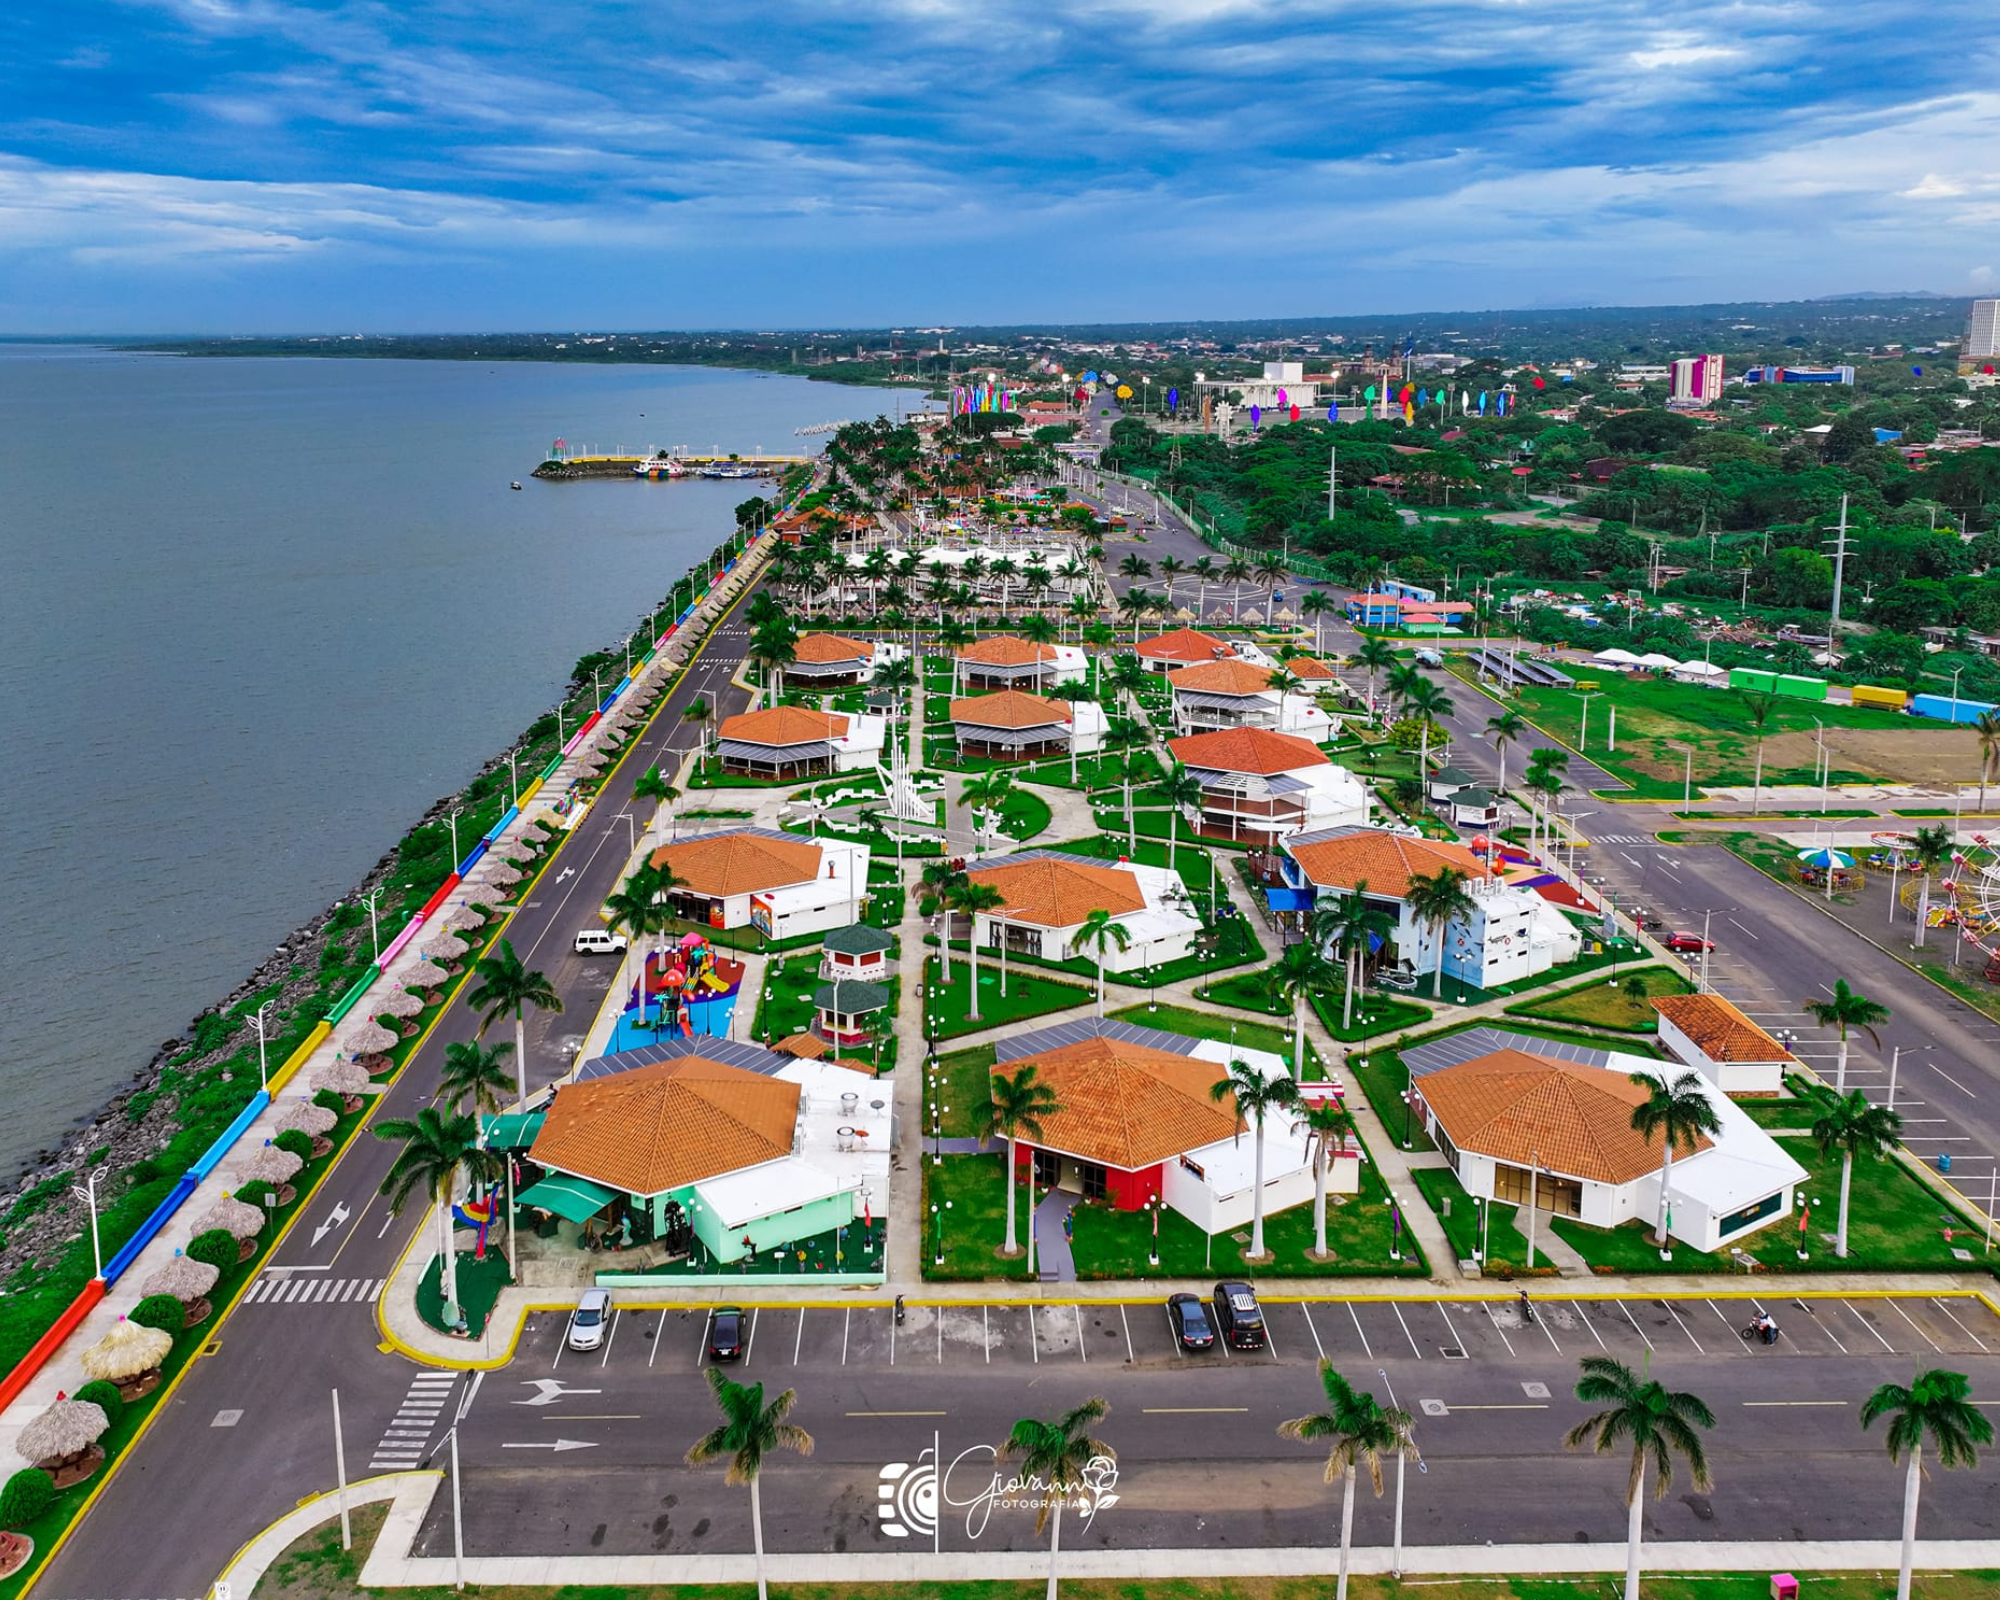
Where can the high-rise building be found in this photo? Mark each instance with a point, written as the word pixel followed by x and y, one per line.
pixel 1696 380
pixel 1982 333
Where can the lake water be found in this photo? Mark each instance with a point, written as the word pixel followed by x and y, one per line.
pixel 256 615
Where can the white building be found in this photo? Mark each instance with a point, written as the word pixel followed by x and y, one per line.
pixel 1982 332
pixel 1045 898
pixel 832 661
pixel 797 742
pixel 1238 694
pixel 778 883
pixel 1722 1044
pixel 1007 661
pixel 1695 380
pixel 1512 933
pixel 1259 786
pixel 1138 1123
pixel 1522 1128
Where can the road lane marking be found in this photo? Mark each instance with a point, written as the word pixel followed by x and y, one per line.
pixel 846 1323
pixel 986 1332
pixel 1406 1331
pixel 1948 1078
pixel 1641 1332
pixel 593 1416
pixel 1188 1411
pixel 1884 1343
pixel 749 1339
pixel 1794 1402
pixel 898 1413
pixel 1130 1358
pixel 1519 1405
pixel 1370 1354
pixel 707 1318
pixel 892 1341
pixel 610 1333
pixel 1735 923
pixel 938 1317
pixel 1920 1332
pixel 1577 1307
pixel 1314 1330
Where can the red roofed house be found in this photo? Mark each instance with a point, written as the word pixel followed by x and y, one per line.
pixel 1238 694
pixel 1183 647
pixel 794 742
pixel 1005 661
pixel 831 661
pixel 1258 785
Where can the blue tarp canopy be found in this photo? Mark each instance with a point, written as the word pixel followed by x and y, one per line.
pixel 1289 899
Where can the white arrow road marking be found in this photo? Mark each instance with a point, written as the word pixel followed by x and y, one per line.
pixel 340 1215
pixel 556 1444
pixel 549 1390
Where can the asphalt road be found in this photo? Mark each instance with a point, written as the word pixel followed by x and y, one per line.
pixel 566 1452
pixel 249 1430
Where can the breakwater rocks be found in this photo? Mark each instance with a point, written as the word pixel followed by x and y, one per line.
pixel 564 471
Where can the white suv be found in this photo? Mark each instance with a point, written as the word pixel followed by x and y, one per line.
pixel 599 942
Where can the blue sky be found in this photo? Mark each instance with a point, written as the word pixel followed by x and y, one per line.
pixel 260 165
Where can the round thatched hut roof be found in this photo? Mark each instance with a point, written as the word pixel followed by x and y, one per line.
pixel 235 1218
pixel 398 1003
pixel 342 1077
pixel 272 1166
pixel 67 1428
pixel 127 1351
pixel 446 947
pixel 371 1038
pixel 185 1278
pixel 305 1117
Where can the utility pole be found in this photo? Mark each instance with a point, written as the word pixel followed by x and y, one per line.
pixel 1332 477
pixel 1839 572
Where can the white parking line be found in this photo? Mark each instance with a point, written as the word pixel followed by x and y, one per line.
pixel 939 1315
pixel 892 1341
pixel 799 1338
pixel 1920 1332
pixel 1406 1331
pixel 1269 1343
pixel 1080 1340
pixel 986 1333
pixel 1683 1327
pixel 1130 1358
pixel 1034 1339
pixel 1858 1317
pixel 846 1323
pixel 1962 1328
pixel 1370 1354
pixel 610 1333
pixel 1641 1332
pixel 1487 1305
pixel 708 1317
pixel 1313 1329
pixel 1577 1307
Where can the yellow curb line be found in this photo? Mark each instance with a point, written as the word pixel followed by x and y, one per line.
pixel 358 1484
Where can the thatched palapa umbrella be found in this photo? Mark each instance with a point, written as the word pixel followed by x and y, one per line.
pixel 129 1356
pixel 503 875
pixel 400 1003
pixel 533 833
pixel 241 1222
pixel 343 1077
pixel 367 1044
pixel 463 919
pixel 272 1166
pixel 445 947
pixel 188 1281
pixel 314 1121
pixel 62 1441
pixel 427 976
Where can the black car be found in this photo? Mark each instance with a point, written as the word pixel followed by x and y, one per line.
pixel 725 1334
pixel 1189 1320
pixel 1238 1317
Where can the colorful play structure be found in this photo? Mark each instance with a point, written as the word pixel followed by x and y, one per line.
pixel 689 989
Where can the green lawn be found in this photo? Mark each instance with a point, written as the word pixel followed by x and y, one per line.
pixel 1029 994
pixel 785 1007
pixel 1606 957
pixel 1604 1005
pixel 1382 1077
pixel 479 1286
pixel 1024 815
pixel 1375 1014
pixel 1115 1244
pixel 1506 1246
pixel 1236 945
pixel 1209 1025
pixel 967 1075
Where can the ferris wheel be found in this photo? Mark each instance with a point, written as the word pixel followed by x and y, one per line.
pixel 1970 899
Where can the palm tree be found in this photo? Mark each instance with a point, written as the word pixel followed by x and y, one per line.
pixel 1987 727
pixel 1676 1112
pixel 1171 567
pixel 436 1147
pixel 1059 1454
pixel 749 1431
pixel 1234 571
pixel 1100 932
pixel 1314 604
pixel 1134 567
pixel 1936 1406
pixel 1125 738
pixel 1503 730
pixel 1758 705
pixel 637 909
pixel 1436 902
pixel 1270 566
pixel 1004 569
pixel 506 987
pixel 649 785
pixel 1038 627
pixel 474 1072
pixel 1256 1098
pixel 696 713
pixel 1930 847
pixel 975 900
pixel 1854 1126
pixel 1015 1105
pixel 941 880
pixel 1360 1431
pixel 1847 1010
pixel 1296 976
pixel 775 646
pixel 1428 703
pixel 899 677
pixel 1659 1423
pixel 1327 1126
pixel 987 792
pixel 1350 925
pixel 1179 788
pixel 1376 655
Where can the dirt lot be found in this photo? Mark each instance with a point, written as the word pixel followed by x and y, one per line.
pixel 1920 754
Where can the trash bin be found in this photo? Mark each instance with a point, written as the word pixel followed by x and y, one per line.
pixel 1944 1161
pixel 1784 1586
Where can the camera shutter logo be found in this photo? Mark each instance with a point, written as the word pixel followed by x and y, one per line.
pixel 909 1500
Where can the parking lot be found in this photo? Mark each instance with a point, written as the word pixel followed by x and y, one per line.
pixel 1135 1334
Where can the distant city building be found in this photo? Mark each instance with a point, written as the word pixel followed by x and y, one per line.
pixel 1642 374
pixel 1696 380
pixel 1982 334
pixel 1799 375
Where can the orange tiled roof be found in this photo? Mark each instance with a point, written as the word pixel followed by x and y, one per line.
pixel 1005 650
pixel 1718 1029
pixel 782 725
pixel 1183 644
pixel 1129 1105
pixel 673 1123
pixel 1310 669
pixel 1222 677
pixel 722 864
pixel 1054 893
pixel 1386 862
pixel 1522 1108
pixel 1258 750
pixel 1008 708
pixel 831 647
pixel 809 1046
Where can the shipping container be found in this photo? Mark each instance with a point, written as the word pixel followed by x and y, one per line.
pixel 1796 688
pixel 1867 694
pixel 1946 709
pixel 1752 678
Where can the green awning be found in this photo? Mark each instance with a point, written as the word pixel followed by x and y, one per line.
pixel 575 1199
pixel 513 1130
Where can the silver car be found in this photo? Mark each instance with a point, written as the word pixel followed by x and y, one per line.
pixel 586 1322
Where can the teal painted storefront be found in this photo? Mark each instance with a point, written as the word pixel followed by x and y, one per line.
pixel 765 1233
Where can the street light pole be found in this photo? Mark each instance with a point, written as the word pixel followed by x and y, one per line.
pixel 373 897
pixel 263 1073
pixel 453 820
pixel 87 1192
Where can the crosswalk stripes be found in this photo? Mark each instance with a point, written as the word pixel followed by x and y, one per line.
pixel 1623 838
pixel 409 1432
pixel 272 1289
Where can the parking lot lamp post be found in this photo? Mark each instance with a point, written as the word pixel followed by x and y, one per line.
pixel 1534 1172
pixel 1153 1205
pixel 938 1260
